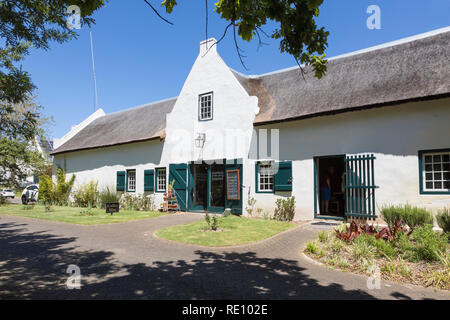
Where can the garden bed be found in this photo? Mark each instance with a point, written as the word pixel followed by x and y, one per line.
pixel 231 230
pixel 420 258
pixel 76 215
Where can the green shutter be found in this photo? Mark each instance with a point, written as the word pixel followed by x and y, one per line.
pixel 283 178
pixel 120 181
pixel 256 176
pixel 149 180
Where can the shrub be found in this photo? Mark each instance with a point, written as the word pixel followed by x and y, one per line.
pixel 2 200
pixel 130 201
pixel 285 209
pixel 86 195
pixel 323 236
pixel 47 191
pixel 145 203
pixel 212 222
pixel 312 247
pixel 412 216
pixel 443 219
pixel 108 195
pixel 428 245
pixel 227 213
pixel 384 249
pixel 336 246
pixel 251 202
pixel 63 188
pixel 362 248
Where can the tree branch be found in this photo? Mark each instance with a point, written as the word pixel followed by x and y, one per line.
pixel 157 13
pixel 237 48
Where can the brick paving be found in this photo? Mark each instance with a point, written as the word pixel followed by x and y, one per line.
pixel 125 261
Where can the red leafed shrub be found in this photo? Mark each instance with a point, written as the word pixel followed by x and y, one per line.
pixel 387 233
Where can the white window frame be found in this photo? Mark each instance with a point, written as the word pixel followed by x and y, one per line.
pixel 131 180
pixel 205 106
pixel 266 177
pixel 442 172
pixel 161 179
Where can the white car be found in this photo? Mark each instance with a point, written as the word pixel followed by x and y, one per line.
pixel 30 193
pixel 7 193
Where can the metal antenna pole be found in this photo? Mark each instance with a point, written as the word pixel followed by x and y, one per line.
pixel 93 69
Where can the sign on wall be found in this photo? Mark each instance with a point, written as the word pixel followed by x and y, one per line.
pixel 233 189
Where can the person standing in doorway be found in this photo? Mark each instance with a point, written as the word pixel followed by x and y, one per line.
pixel 325 190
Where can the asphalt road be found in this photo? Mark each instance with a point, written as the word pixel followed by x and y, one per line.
pixel 125 261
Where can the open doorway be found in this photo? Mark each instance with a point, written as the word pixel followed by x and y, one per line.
pixel 330 186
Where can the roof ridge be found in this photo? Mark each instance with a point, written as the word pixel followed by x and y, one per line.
pixel 360 51
pixel 141 106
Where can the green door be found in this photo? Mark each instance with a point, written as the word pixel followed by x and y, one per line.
pixel 233 202
pixel 178 173
pixel 198 187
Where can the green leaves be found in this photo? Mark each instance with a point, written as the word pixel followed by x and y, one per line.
pixel 36 23
pixel 298 33
pixel 169 5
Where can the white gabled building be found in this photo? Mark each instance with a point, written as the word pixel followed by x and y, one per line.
pixel 380 117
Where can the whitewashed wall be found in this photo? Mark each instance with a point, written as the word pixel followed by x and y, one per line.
pixel 101 165
pixel 228 135
pixel 394 134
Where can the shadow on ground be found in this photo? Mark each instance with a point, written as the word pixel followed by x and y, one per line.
pixel 33 265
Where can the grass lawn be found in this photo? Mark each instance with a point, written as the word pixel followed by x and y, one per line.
pixel 76 215
pixel 233 230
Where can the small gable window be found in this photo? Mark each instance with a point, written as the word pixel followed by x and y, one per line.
pixel 205 106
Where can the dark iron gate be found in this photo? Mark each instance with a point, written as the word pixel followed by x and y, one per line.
pixel 360 187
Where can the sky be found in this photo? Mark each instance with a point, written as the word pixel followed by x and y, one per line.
pixel 141 59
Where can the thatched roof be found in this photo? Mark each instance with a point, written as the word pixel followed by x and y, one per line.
pixel 142 123
pixel 409 71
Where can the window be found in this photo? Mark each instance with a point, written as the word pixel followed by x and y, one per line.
pixel 265 177
pixel 131 180
pixel 205 106
pixel 435 171
pixel 161 179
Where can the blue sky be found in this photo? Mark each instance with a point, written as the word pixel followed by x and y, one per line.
pixel 140 59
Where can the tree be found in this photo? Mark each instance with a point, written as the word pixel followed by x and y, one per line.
pixel 33 23
pixel 298 32
pixel 28 24
pixel 22 126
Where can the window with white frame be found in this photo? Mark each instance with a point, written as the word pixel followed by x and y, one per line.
pixel 205 111
pixel 265 177
pixel 161 179
pixel 436 171
pixel 131 183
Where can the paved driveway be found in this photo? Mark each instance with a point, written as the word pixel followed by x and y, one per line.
pixel 126 261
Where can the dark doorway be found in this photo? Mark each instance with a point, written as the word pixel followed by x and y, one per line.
pixel 217 186
pixel 200 187
pixel 331 186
